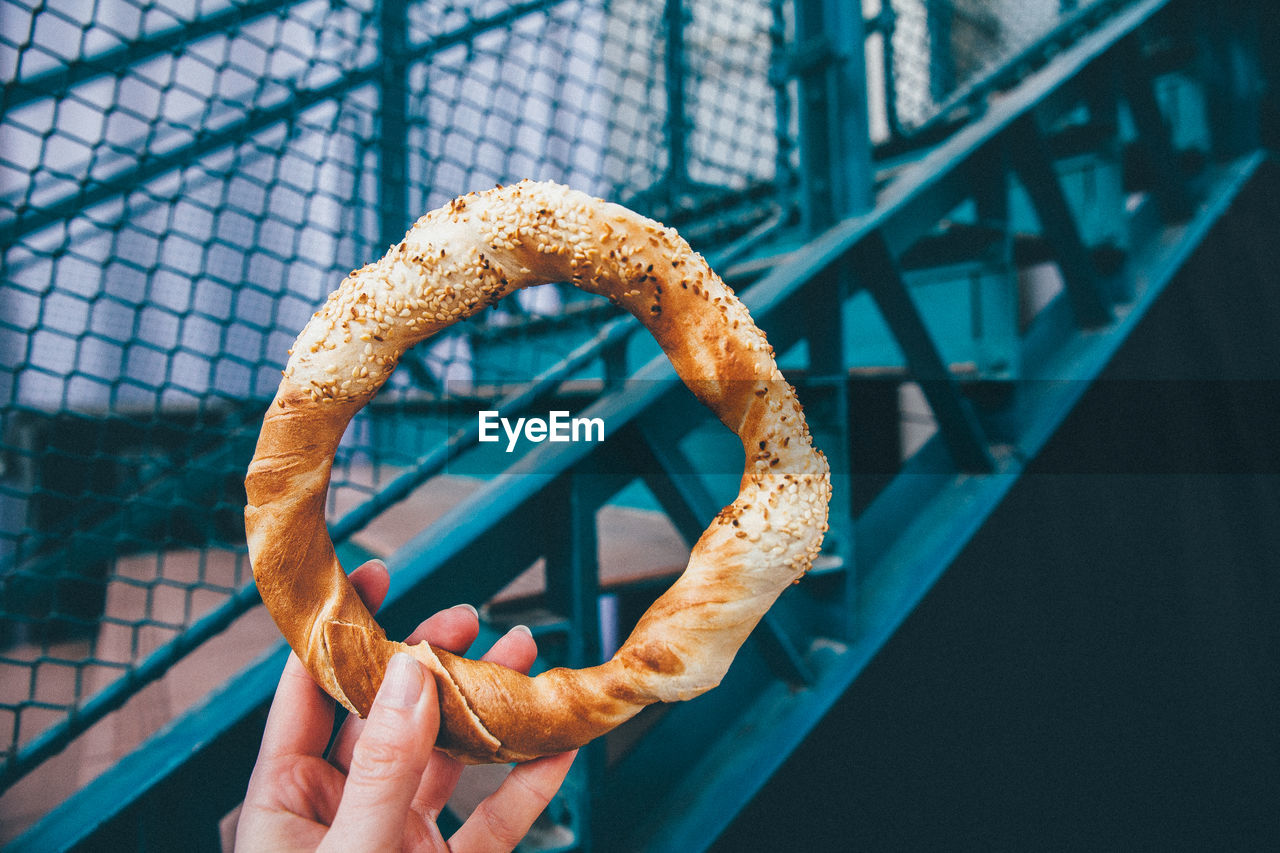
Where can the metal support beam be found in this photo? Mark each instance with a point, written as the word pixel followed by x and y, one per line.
pixel 1030 156
pixel 780 650
pixel 672 477
pixel 942 65
pixel 573 569
pixel 1169 184
pixel 835 140
pixel 885 23
pixel 1231 75
pixel 573 589
pixel 393 121
pixel 827 404
pixel 676 126
pixel 957 422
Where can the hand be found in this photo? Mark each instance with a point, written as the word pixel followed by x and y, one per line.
pixel 384 783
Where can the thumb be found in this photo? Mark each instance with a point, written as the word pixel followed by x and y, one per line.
pixel 388 760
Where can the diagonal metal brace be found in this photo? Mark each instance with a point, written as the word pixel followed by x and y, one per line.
pixel 957 422
pixel 1031 159
pixel 689 505
pixel 1169 181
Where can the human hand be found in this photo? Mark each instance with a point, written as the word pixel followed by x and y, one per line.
pixel 383 783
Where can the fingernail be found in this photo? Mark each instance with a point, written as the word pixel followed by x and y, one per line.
pixel 402 685
pixel 523 629
pixel 474 612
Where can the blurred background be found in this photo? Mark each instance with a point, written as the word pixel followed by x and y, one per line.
pixel 1018 258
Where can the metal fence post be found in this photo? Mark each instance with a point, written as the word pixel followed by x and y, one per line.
pixel 676 126
pixel 836 183
pixel 886 23
pixel 573 592
pixel 835 140
pixel 939 19
pixel 393 121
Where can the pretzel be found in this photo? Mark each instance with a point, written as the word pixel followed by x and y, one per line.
pixel 452 263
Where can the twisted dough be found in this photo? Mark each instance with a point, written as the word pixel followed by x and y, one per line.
pixel 452 263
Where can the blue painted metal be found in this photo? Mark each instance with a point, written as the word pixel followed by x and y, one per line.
pixel 393 112
pixel 573 589
pixel 702 760
pixel 676 126
pixel 961 431
pixel 828 403
pixel 1093 183
pixel 1085 290
pixel 885 23
pixel 969 306
pixel 835 146
pixel 1154 136
pixel 906 541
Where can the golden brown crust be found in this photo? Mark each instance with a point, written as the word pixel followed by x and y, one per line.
pixel 452 263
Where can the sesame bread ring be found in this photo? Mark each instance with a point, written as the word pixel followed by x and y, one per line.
pixel 453 262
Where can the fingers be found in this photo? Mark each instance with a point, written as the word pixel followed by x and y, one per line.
pixel 516 650
pixel 371 580
pixel 453 629
pixel 388 760
pixel 503 818
pixel 301 716
pixel 520 798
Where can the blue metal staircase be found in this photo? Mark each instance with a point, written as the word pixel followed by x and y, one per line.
pixel 997 259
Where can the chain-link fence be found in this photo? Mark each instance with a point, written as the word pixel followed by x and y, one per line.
pixel 182 181
pixel 927 57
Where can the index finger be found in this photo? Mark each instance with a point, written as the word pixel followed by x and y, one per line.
pixel 301 716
